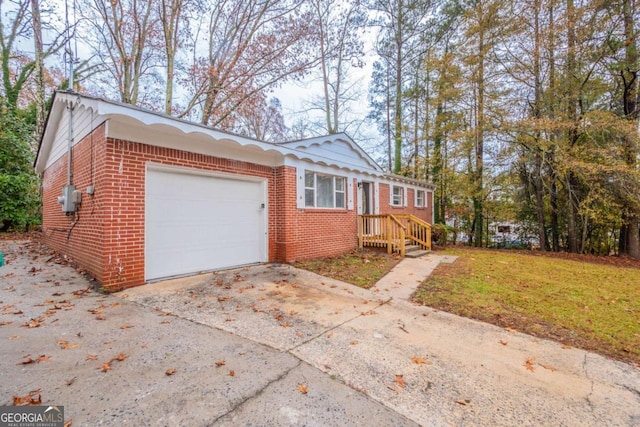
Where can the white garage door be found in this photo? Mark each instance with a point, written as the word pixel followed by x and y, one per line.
pixel 196 222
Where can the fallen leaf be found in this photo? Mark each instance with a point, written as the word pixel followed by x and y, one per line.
pixel 81 292
pixel 27 361
pixel 68 423
pixel 232 373
pixel 508 329
pixel 464 402
pixel 126 326
pixel 106 367
pixel 566 347
pixel 330 334
pixel 549 367
pixel 64 344
pixel 5 323
pixel 354 342
pixel 220 363
pixel 33 323
pixel 43 358
pixel 399 380
pixel 420 361
pixel 529 364
pixel 120 357
pixel 91 357
pixel 33 398
pixel 503 342
pixel 302 388
pixel 170 372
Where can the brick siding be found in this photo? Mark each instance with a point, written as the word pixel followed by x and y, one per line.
pixel 424 213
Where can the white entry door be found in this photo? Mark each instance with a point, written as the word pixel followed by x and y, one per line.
pixel 198 222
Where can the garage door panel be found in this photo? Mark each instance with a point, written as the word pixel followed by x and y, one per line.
pixel 199 222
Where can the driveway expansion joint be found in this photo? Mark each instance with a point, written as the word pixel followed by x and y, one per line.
pixel 258 392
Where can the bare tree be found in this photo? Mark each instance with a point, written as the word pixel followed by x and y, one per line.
pixel 125 37
pixel 251 46
pixel 340 48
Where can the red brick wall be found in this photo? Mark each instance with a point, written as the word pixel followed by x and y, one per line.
pixel 310 233
pixel 422 213
pixel 80 236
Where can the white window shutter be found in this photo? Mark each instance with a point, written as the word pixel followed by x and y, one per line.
pixel 300 198
pixel 405 196
pixel 376 199
pixel 350 193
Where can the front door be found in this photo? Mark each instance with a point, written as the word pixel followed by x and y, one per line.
pixel 367 198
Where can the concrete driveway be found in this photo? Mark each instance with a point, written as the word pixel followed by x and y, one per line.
pixel 361 357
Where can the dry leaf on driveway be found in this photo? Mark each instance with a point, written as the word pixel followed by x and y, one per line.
pixel 33 398
pixel 529 364
pixel 302 388
pixel 420 360
pixel 399 380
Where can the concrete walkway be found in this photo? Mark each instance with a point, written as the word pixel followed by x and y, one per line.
pixel 402 281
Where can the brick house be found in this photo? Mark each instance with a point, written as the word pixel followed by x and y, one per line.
pixel 134 196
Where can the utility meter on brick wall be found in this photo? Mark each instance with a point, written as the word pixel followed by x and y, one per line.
pixel 68 199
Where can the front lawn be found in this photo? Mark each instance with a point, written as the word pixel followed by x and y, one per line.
pixel 587 302
pixel 361 268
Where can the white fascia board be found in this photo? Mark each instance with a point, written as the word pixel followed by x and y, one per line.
pixel 331 168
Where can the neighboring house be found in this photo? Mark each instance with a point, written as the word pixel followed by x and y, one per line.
pixel 135 196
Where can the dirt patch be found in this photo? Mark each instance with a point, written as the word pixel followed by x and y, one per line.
pixel 360 268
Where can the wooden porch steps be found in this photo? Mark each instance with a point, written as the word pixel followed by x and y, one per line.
pixel 401 233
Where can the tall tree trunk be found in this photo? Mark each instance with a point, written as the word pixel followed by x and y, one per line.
pixel 170 17
pixel 389 150
pixel 478 196
pixel 630 80
pixel 397 161
pixel 416 144
pixel 39 68
pixel 537 179
pixel 572 134
pixel 553 176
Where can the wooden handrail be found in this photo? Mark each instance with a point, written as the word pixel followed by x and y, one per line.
pixel 381 231
pixel 418 230
pixel 392 230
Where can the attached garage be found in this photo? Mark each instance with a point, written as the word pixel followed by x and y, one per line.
pixel 199 221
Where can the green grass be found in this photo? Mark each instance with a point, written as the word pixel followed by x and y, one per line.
pixel 360 268
pixel 589 305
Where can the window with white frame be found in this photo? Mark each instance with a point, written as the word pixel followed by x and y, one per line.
pixel 397 195
pixel 324 191
pixel 420 199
